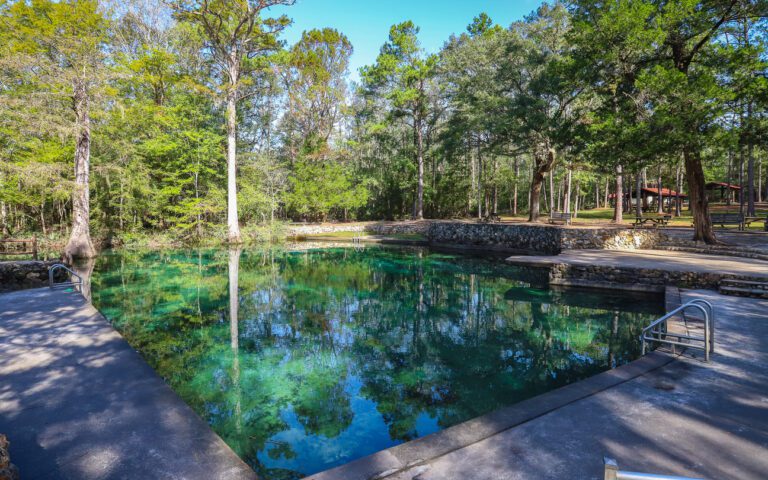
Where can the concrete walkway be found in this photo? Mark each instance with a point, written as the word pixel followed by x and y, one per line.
pixel 78 403
pixel 650 259
pixel 685 418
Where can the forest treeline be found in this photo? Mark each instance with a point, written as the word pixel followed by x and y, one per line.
pixel 187 116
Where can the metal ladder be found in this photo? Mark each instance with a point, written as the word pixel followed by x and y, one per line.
pixel 71 283
pixel 612 472
pixel 658 332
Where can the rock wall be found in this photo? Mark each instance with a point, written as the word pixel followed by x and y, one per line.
pixel 643 279
pixel 8 471
pixel 608 238
pixel 545 239
pixel 18 275
pixel 508 237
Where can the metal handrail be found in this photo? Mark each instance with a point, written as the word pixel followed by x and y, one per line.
pixel 652 334
pixel 58 266
pixel 612 472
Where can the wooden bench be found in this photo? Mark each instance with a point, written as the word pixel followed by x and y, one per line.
pixel 655 221
pixel 25 246
pixel 561 217
pixel 748 220
pixel 724 219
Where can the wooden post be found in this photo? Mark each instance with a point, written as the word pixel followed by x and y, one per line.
pixel 34 247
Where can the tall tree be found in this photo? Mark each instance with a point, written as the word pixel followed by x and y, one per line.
pixel 237 40
pixel 541 111
pixel 315 84
pixel 683 84
pixel 60 48
pixel 401 75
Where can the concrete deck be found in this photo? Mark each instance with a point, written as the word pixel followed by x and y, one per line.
pixel 683 417
pixel 649 259
pixel 78 403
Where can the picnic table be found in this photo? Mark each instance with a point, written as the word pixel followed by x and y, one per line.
pixel 653 220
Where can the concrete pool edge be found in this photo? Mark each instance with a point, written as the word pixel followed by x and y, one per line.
pixel 404 456
pixel 79 402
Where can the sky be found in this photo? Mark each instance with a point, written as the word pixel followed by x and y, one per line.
pixel 366 22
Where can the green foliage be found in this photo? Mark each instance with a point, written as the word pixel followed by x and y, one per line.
pixel 317 188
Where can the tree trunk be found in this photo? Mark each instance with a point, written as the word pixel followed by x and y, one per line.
pixel 3 219
pixel 679 188
pixel 233 225
pixel 419 213
pixel 567 202
pixel 702 227
pixel 552 191
pixel 638 195
pixel 741 179
pixel 618 208
pixel 514 196
pixel 80 245
pixel 660 208
pixel 751 180
pixel 730 178
pixel 543 163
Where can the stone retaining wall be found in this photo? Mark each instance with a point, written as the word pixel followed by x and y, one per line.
pixel 642 279
pixel 545 239
pixel 376 228
pixel 18 275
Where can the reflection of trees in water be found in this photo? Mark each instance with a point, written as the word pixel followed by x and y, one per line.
pixel 425 334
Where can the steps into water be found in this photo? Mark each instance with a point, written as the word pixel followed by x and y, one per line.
pixel 744 288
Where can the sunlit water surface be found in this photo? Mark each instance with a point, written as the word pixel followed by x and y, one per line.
pixel 304 360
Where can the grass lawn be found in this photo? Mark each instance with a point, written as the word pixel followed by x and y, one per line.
pixel 605 215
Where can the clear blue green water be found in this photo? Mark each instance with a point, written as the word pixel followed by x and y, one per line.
pixel 304 360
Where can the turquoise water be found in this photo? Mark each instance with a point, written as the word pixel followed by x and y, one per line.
pixel 304 360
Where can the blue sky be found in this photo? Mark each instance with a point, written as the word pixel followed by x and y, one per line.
pixel 366 22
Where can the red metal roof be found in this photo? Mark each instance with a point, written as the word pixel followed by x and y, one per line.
pixel 716 185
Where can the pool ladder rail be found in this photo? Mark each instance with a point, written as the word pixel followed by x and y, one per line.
pixel 658 331
pixel 75 279
pixel 612 472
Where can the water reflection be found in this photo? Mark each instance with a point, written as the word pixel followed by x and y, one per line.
pixel 305 360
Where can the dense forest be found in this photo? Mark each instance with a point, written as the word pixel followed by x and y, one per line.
pixel 194 118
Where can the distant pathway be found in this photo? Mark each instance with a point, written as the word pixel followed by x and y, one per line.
pixel 650 259
pixel 78 403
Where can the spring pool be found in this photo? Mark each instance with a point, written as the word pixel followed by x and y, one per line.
pixel 302 360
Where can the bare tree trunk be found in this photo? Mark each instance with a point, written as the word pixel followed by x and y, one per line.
pixel 660 208
pixel 679 188
pixel 751 179
pixel 233 224
pixel 618 208
pixel 638 195
pixel 741 179
pixel 3 219
pixel 80 245
pixel 698 199
pixel 552 191
pixel 576 201
pixel 760 180
pixel 517 175
pixel 606 193
pixel 419 213
pixel 597 193
pixel 730 178
pixel 567 202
